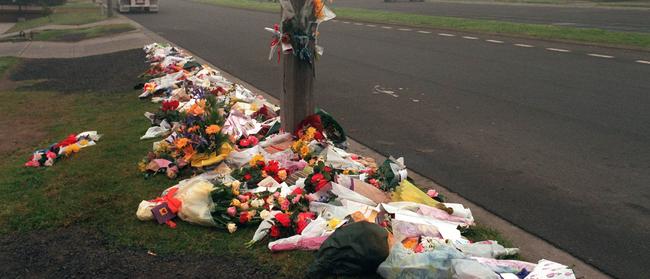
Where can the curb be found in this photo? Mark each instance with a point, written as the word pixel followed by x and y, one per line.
pixel 532 247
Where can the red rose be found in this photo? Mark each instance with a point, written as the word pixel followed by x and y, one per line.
pixel 248 176
pixel 273 167
pixel 306 215
pixel 244 143
pixel 170 105
pixel 317 177
pixel 297 191
pixel 244 217
pixel 301 226
pixel 283 219
pixel 260 163
pixel 275 231
pixel 318 136
pixel 321 184
pixel 327 169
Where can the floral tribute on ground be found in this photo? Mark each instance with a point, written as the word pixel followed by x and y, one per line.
pixel 302 189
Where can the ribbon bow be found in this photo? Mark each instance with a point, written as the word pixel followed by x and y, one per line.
pixel 173 203
pixel 275 40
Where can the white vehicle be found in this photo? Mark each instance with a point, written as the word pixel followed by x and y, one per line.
pixel 125 6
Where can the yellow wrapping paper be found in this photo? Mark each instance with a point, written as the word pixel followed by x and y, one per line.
pixel 203 160
pixel 409 192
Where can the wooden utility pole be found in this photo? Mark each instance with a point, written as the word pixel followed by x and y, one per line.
pixel 298 79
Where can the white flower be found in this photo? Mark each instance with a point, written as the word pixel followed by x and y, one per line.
pixel 265 214
pixel 231 227
pixel 257 203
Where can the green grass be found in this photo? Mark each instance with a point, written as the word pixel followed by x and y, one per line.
pixel 539 31
pixel 79 34
pixel 6 63
pixel 100 187
pixel 73 13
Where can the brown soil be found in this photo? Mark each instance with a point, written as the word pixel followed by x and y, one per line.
pixel 80 253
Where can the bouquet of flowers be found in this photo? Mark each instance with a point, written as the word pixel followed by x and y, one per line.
pixel 321 176
pixel 195 141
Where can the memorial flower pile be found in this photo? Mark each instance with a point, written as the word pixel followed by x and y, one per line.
pixel 302 189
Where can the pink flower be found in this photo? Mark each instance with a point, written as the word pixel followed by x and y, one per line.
pixel 232 211
pixel 432 193
pixel 32 164
pixel 285 205
pixel 419 248
pixel 276 195
pixel 243 198
pixel 50 155
pixel 296 199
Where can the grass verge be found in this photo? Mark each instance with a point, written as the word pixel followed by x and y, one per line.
pixel 77 34
pixel 538 31
pixel 72 13
pixel 99 188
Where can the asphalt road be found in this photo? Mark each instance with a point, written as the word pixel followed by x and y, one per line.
pixel 556 142
pixel 637 20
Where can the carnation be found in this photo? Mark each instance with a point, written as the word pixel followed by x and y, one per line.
pixel 231 227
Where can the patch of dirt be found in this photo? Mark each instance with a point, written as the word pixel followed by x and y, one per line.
pixel 79 253
pixel 114 72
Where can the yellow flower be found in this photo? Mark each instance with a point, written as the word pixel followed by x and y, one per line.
pixel 309 134
pixel 235 202
pixel 83 142
pixel 142 166
pixel 180 143
pixel 282 174
pixel 304 150
pixel 255 159
pixel 212 129
pixel 332 223
pixel 296 145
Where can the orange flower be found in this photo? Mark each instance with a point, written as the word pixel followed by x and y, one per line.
pixel 212 129
pixel 197 108
pixel 318 8
pixel 189 152
pixel 193 129
pixel 180 143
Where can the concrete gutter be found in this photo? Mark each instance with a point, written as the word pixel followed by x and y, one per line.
pixel 532 247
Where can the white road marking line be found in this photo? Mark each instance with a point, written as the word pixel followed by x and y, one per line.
pixel 494 41
pixel 470 38
pixel 405 29
pixel 643 62
pixel 387 27
pixel 446 35
pixel 523 45
pixel 600 55
pixel 346 22
pixel 557 49
pixel 424 32
pixel 371 25
pixel 356 23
